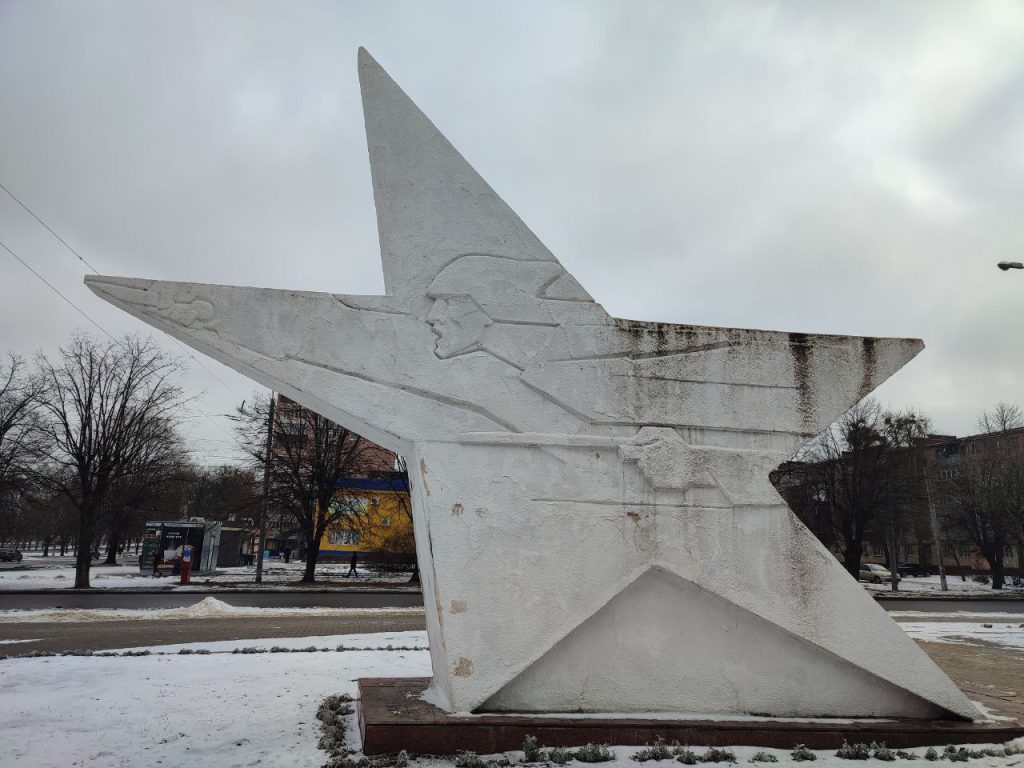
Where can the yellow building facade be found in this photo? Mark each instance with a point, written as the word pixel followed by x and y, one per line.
pixel 376 521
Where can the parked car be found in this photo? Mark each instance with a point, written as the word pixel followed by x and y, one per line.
pixel 875 573
pixel 10 555
pixel 911 569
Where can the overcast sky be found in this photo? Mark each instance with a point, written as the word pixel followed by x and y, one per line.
pixel 814 166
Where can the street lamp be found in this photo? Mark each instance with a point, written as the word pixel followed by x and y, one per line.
pixel 1007 265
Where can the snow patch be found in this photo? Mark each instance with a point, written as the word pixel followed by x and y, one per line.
pixel 207 608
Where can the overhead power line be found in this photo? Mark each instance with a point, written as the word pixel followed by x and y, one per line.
pixel 85 314
pixel 56 290
pixel 31 213
pixel 95 271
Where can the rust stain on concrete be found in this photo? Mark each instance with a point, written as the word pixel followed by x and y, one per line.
pixel 423 474
pixel 480 511
pixel 868 363
pixel 799 347
pixel 456 509
pixel 459 606
pixel 464 667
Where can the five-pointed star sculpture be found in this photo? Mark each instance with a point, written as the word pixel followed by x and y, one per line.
pixel 593 516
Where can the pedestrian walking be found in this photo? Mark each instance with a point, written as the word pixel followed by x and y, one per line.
pixel 352 566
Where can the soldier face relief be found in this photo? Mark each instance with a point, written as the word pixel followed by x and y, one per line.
pixel 459 323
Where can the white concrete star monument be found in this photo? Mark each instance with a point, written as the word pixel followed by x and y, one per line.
pixel 594 522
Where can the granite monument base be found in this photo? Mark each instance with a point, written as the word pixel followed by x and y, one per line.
pixel 393 717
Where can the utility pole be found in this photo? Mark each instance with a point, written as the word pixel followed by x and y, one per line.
pixel 265 502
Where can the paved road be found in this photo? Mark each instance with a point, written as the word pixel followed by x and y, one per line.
pixel 379 599
pixel 297 599
pixel 100 635
pixel 977 605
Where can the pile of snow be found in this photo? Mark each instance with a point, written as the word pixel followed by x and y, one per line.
pixel 207 608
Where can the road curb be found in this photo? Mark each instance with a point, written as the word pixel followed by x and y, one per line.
pixel 996 595
pixel 214 591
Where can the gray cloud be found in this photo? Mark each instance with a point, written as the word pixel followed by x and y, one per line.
pixel 811 166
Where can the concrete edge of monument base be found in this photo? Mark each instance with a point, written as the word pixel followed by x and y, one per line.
pixel 393 716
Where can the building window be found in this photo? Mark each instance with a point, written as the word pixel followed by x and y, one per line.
pixel 350 506
pixel 342 536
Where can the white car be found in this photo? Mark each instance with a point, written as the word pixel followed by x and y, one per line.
pixel 875 573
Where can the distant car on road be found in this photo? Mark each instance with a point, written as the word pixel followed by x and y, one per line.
pixel 912 569
pixel 10 555
pixel 875 573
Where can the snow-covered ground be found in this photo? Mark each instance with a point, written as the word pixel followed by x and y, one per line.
pixel 220 709
pixel 279 574
pixel 989 631
pixel 233 709
pixel 276 574
pixel 955 584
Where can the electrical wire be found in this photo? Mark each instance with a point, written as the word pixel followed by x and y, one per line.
pixel 31 213
pixel 53 288
pixel 81 258
pixel 95 271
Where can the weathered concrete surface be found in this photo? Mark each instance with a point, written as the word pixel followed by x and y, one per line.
pixel 582 485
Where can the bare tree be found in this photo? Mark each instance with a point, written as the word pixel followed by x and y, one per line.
pixel 19 407
pixel 138 494
pixel 109 414
pixel 860 477
pixel 1001 417
pixel 408 542
pixel 223 493
pixel 987 499
pixel 309 456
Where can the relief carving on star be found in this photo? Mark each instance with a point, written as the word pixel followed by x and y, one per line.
pixel 618 468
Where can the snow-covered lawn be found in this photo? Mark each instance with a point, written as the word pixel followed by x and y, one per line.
pixel 276 573
pixel 1001 633
pixel 954 583
pixel 221 708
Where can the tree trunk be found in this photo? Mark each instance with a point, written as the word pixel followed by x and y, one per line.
pixel 83 557
pixel 894 556
pixel 851 557
pixel 995 561
pixel 959 568
pixel 312 550
pixel 113 542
